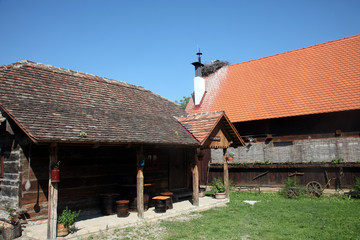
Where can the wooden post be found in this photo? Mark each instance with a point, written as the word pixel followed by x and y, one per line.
pixel 226 175
pixel 140 185
pixel 52 196
pixel 195 177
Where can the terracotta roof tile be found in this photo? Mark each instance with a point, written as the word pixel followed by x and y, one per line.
pixel 55 104
pixel 202 125
pixel 312 80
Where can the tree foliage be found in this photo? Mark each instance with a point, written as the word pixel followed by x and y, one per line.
pixel 183 102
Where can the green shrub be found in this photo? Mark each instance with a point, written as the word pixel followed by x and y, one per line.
pixel 337 160
pixel 11 216
pixel 356 186
pixel 290 183
pixel 68 217
pixel 218 185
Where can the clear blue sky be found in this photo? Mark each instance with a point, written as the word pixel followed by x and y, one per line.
pixel 152 43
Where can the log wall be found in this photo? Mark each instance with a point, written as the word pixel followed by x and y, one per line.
pixel 87 172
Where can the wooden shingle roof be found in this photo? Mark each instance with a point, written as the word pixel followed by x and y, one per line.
pixel 52 104
pixel 317 79
pixel 203 125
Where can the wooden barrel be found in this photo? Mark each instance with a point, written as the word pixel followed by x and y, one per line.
pixel 122 208
pixel 133 203
pixel 108 205
pixel 169 202
pixel 160 203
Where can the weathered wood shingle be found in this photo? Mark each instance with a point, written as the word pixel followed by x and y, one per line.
pixel 54 104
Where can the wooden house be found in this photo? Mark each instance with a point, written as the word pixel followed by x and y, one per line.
pixel 298 112
pixel 107 136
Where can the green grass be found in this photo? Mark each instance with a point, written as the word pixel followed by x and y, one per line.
pixel 274 217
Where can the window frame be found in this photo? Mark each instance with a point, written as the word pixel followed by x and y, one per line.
pixel 154 164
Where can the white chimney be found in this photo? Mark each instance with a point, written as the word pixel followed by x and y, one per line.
pixel 199 89
pixel 199 82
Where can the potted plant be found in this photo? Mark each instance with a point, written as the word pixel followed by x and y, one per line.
pixel 65 221
pixel 230 156
pixel 14 229
pixel 219 188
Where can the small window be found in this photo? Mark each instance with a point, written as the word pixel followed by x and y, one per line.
pixel 282 144
pixel 152 161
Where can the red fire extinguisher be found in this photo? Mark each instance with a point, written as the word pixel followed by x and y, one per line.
pixel 55 173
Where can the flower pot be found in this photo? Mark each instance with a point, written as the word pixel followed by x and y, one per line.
pixel 230 159
pixel 14 231
pixel 220 195
pixel 62 231
pixel 55 175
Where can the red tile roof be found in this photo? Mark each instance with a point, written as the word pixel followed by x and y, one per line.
pixel 201 126
pixel 318 79
pixel 52 104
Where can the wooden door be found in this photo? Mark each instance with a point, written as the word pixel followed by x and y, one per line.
pixel 177 169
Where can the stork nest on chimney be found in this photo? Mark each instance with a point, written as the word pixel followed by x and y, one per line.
pixel 212 67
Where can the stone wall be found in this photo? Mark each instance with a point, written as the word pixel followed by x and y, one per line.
pixel 300 151
pixel 10 183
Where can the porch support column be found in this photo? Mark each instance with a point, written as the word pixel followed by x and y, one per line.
pixel 52 195
pixel 140 184
pixel 226 175
pixel 195 178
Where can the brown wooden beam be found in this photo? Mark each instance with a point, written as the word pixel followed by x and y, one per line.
pixel 52 196
pixel 226 175
pixel 140 184
pixel 195 178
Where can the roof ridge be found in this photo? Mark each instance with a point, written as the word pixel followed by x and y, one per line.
pixel 79 74
pixel 202 113
pixel 69 72
pixel 298 49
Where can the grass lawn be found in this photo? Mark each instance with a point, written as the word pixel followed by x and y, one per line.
pixel 274 217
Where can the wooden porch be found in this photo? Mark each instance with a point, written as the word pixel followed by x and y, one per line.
pixel 94 223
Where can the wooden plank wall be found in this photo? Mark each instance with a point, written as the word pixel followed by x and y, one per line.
pixel 87 172
pixel 276 177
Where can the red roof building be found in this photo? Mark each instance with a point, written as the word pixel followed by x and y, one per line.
pixel 318 79
pixel 292 109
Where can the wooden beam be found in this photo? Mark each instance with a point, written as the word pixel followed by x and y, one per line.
pixel 226 175
pixel 52 196
pixel 140 192
pixel 140 184
pixel 195 178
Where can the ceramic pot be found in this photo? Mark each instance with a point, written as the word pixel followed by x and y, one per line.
pixel 62 231
pixel 220 195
